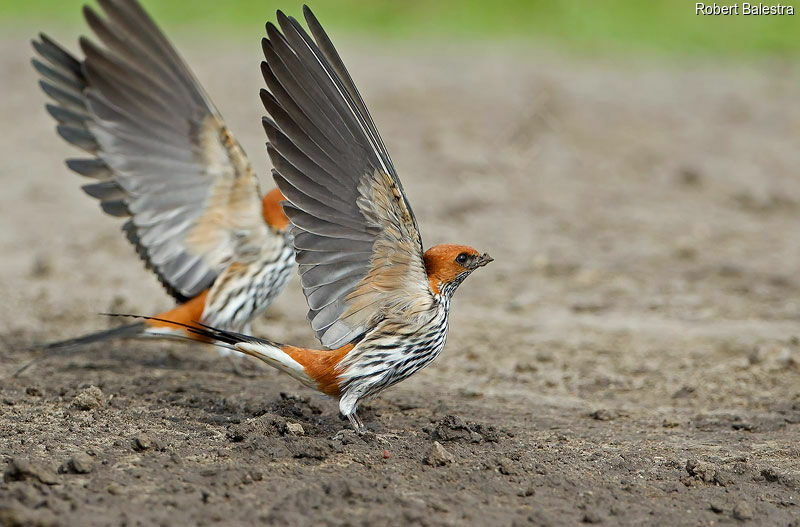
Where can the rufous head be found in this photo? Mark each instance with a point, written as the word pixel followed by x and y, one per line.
pixel 448 265
pixel 272 210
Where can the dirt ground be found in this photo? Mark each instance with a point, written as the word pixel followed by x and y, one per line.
pixel 632 356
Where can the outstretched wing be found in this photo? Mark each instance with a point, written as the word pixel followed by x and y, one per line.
pixel 357 243
pixel 160 151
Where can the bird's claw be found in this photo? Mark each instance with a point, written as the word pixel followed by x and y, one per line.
pixel 348 436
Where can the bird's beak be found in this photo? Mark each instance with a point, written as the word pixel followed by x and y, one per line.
pixel 483 260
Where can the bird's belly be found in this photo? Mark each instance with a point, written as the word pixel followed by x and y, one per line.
pixel 384 360
pixel 248 295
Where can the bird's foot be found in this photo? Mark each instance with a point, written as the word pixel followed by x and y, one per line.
pixel 359 430
pixel 357 424
pixel 348 436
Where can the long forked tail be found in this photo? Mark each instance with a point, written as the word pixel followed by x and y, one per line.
pixel 192 330
pixel 63 347
pixel 302 364
pixel 134 330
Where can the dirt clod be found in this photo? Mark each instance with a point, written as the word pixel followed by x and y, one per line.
pixel 508 467
pixel 454 428
pixel 603 414
pixel 20 469
pixel 592 516
pixel 314 449
pixel 708 473
pixel 14 515
pixel 90 398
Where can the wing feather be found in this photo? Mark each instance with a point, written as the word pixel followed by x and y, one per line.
pixel 92 167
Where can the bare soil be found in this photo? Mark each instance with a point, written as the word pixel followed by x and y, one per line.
pixel 630 358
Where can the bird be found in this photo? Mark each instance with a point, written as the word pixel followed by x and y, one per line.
pixel 377 302
pixel 161 156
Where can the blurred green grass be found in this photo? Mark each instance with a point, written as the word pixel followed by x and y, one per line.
pixel 638 26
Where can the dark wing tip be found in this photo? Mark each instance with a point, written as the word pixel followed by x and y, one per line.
pixel 88 12
pixel 272 32
pixel 107 5
pixel 271 129
pixel 89 167
pixel 283 20
pixel 84 43
pixel 116 208
pixel 41 45
pixel 311 18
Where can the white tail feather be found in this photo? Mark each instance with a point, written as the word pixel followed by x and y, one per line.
pixel 278 359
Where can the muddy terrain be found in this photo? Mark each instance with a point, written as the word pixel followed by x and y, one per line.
pixel 632 356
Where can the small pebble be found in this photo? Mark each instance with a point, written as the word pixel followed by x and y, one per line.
pixel 142 442
pixel 114 488
pixel 81 463
pixel 527 492
pixel 385 454
pixel 742 511
pixel 438 456
pixel 786 358
pixel 41 267
pixel 295 429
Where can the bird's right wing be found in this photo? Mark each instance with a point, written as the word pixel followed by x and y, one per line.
pixel 160 152
pixel 357 243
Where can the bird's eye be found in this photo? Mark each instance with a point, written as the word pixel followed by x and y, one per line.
pixel 461 259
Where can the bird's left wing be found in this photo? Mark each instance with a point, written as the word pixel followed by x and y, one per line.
pixel 160 151
pixel 357 243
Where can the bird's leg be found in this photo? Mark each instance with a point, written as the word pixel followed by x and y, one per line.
pixel 356 422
